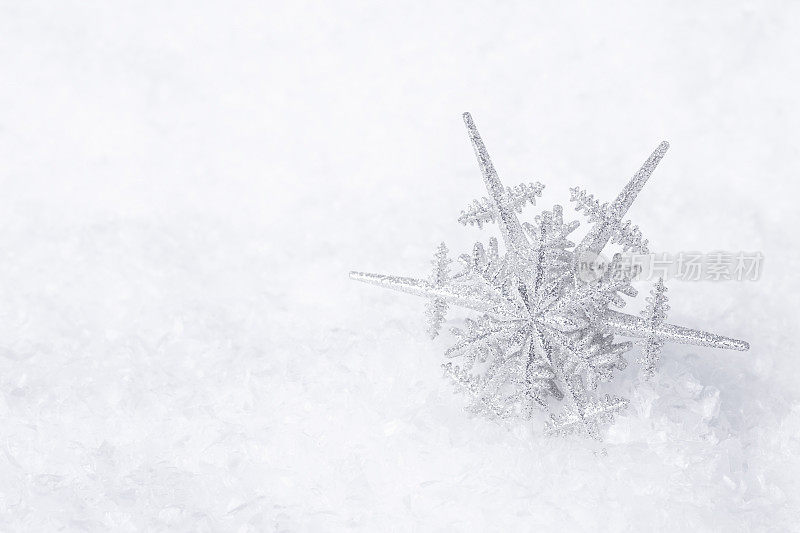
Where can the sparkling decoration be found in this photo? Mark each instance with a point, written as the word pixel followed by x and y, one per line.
pixel 544 339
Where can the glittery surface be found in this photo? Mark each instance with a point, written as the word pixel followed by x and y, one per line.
pixel 546 340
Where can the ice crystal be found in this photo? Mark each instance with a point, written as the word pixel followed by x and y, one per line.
pixel 544 338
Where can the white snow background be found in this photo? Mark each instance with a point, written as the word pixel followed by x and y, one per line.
pixel 185 185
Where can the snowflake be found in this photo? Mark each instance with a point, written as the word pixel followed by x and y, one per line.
pixel 545 335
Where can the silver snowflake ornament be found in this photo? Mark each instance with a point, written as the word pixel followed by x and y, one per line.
pixel 544 338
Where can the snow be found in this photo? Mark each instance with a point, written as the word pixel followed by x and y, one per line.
pixel 185 186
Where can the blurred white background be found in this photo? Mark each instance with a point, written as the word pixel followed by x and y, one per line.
pixel 186 184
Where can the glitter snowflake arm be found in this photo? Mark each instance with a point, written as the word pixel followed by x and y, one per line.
pixel 540 374
pixel 451 294
pixel 605 229
pixel 573 385
pixel 590 354
pixel 480 339
pixel 483 211
pixel 437 307
pixel 484 263
pixel 420 287
pixel 634 326
pixel 655 313
pixel 598 411
pixel 510 227
pixel 483 402
pixel 624 233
